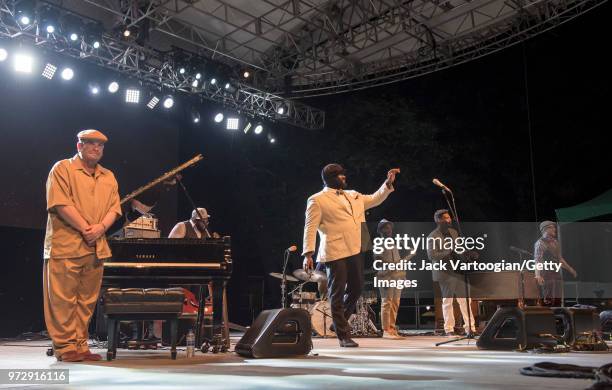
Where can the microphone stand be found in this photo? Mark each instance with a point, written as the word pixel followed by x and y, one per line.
pixel 284 282
pixel 470 334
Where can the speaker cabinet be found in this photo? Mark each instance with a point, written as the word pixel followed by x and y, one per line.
pixel 277 333
pixel 574 323
pixel 514 328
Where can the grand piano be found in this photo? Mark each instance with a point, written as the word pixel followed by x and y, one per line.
pixel 162 262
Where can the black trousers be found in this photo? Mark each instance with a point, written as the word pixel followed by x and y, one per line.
pixel 345 283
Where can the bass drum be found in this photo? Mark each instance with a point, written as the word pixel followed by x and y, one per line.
pixel 321 318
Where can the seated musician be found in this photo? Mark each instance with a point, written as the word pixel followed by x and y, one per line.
pixel 451 283
pixel 196 227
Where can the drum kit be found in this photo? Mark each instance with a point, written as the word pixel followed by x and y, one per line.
pixel 362 322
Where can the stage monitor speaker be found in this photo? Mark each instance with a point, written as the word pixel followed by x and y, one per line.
pixel 277 333
pixel 574 323
pixel 514 328
pixel 605 318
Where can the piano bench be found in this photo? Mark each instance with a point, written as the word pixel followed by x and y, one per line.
pixel 138 304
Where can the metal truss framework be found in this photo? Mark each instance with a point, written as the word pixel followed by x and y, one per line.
pixel 312 47
pixel 154 68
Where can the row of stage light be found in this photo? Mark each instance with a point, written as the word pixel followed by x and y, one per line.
pixel 25 63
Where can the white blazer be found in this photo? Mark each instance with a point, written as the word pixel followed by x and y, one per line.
pixel 339 226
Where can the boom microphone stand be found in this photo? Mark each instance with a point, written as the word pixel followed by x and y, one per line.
pixel 470 333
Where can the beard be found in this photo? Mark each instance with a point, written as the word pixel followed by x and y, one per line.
pixel 444 226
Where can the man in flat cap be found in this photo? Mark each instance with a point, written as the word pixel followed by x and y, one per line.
pixel 82 203
pixel 337 215
pixel 547 249
pixel 196 227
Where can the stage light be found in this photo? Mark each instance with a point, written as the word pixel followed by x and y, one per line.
pixel 132 96
pixel 23 63
pixel 194 84
pixel 232 124
pixel 74 37
pixel 195 117
pixel 247 127
pixel 281 110
pixel 213 81
pixel 258 128
pixel 25 10
pixel 227 85
pixel 50 29
pixel 96 45
pixel 198 76
pixel 153 102
pixel 67 74
pixel 271 138
pixel 3 54
pixel 168 102
pixel 94 88
pixel 182 71
pixel 113 87
pixel 49 71
pixel 219 117
pixel 127 32
pixel 246 74
pixel 25 20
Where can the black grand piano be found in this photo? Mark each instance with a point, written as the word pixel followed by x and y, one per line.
pixel 161 262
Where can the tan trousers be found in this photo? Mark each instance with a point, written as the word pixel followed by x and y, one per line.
pixel 70 288
pixel 390 300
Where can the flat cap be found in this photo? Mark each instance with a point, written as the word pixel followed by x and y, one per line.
pixel 546 224
pixel 92 134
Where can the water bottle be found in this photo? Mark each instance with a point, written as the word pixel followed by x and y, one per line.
pixel 190 343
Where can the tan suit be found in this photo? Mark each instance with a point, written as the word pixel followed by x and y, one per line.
pixel 338 221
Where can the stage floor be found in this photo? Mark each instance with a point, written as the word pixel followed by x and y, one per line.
pixel 411 363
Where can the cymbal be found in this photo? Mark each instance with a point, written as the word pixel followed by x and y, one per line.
pixel 280 276
pixel 312 276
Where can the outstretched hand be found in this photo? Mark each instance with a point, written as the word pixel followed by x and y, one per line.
pixel 391 175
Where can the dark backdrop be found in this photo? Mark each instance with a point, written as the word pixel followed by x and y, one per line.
pixel 536 112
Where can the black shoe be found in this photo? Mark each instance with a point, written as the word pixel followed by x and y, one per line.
pixel 348 343
pixel 332 328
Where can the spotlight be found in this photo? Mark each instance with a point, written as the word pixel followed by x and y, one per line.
pixel 213 81
pixel 219 118
pixel 232 124
pixel 113 87
pixel 132 96
pixel 195 117
pixel 25 11
pixel 168 102
pixel 281 110
pixel 23 63
pixel 96 45
pixel 74 37
pixel 50 29
pixel 3 54
pixel 271 138
pixel 227 85
pixel 246 74
pixel 247 127
pixel 153 102
pixel 25 20
pixel 49 71
pixel 94 88
pixel 258 128
pixel 182 71
pixel 194 84
pixel 127 32
pixel 198 76
pixel 67 74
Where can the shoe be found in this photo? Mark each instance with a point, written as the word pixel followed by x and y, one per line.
pixel 70 356
pixel 450 334
pixel 391 336
pixel 471 334
pixel 332 328
pixel 348 343
pixel 90 357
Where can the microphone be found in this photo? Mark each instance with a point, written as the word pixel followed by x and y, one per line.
pixel 292 248
pixel 439 184
pixel 519 250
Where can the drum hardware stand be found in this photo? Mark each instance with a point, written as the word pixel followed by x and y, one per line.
pixel 470 333
pixel 325 315
pixel 284 281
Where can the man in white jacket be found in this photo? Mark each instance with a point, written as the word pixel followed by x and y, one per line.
pixel 338 215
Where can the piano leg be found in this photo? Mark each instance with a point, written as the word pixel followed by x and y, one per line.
pixel 220 331
pixel 200 317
